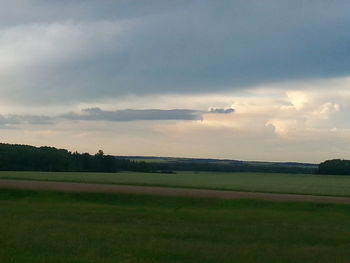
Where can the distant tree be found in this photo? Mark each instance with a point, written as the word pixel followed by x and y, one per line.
pixel 99 153
pixel 335 166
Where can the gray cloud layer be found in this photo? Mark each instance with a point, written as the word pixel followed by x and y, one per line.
pixel 13 120
pixel 97 114
pixel 85 50
pixel 221 110
pixel 93 114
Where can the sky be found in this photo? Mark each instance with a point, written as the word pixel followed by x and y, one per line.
pixel 246 80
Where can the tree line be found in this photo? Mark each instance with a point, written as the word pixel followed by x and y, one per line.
pixel 335 166
pixel 15 157
pixel 233 167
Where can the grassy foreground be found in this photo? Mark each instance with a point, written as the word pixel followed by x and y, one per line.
pixel 43 227
pixel 259 182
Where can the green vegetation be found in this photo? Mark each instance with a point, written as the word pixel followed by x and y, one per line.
pixel 41 227
pixel 14 157
pixel 259 182
pixel 335 166
pixel 218 165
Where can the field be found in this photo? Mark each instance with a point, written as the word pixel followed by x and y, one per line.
pixel 71 227
pixel 255 182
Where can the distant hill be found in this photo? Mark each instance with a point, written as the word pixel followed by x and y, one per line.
pixel 223 165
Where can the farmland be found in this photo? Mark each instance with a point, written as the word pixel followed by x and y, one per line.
pixel 75 227
pixel 255 182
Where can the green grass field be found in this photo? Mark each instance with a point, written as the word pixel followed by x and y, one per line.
pixel 259 182
pixel 41 227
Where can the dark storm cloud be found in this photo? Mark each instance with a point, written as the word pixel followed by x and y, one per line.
pixel 86 50
pixel 96 114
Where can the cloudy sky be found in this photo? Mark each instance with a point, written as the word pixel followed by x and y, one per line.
pixel 249 80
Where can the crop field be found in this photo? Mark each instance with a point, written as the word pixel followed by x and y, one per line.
pixel 257 182
pixel 42 227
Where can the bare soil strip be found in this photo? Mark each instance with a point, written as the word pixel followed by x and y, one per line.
pixel 164 191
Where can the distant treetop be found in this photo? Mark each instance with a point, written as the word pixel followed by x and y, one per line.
pixel 335 166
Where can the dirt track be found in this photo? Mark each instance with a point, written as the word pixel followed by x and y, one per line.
pixel 164 191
